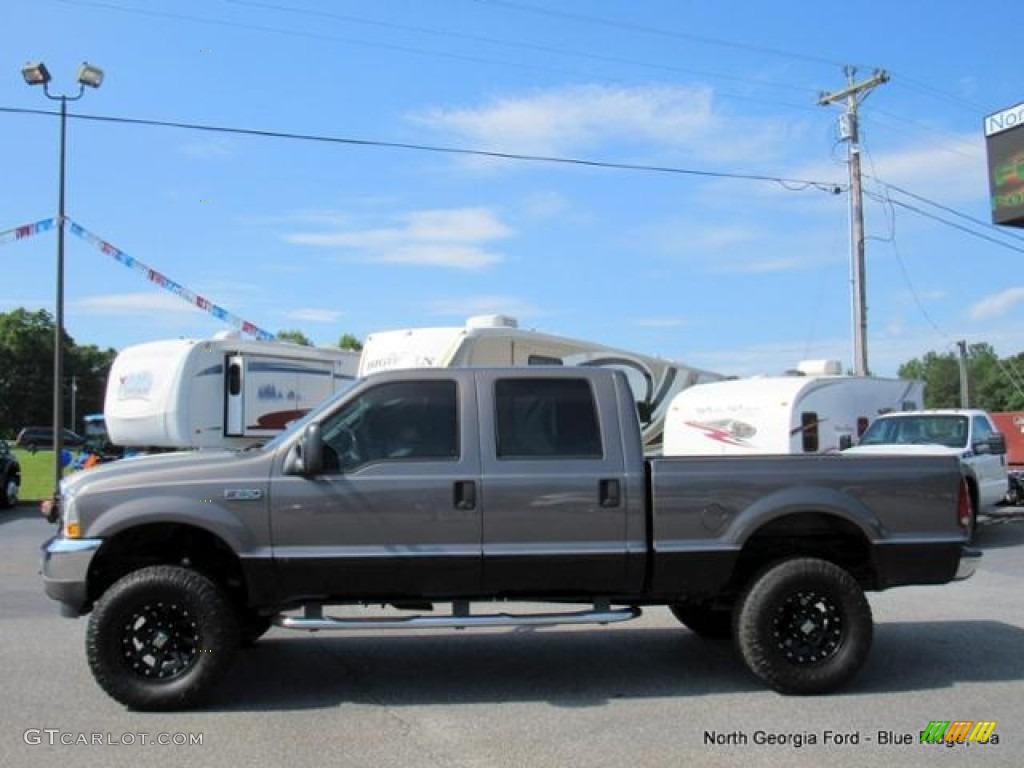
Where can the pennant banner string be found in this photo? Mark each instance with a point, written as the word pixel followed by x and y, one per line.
pixel 154 276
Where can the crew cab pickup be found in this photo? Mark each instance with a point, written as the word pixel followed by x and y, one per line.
pixel 489 486
pixel 969 434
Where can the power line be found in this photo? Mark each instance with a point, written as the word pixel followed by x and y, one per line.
pixel 934 217
pixel 789 184
pixel 967 149
pixel 906 274
pixel 313 35
pixel 936 93
pixel 515 44
pixel 587 18
pixel 518 64
pixel 947 209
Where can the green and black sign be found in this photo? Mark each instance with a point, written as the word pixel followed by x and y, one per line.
pixel 1004 141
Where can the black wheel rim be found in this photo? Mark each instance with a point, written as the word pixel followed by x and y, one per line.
pixel 807 627
pixel 160 641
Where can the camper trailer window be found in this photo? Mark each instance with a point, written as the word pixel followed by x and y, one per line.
pixel 809 431
pixel 543 360
pixel 234 378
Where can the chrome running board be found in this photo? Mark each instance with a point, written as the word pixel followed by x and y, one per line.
pixel 313 619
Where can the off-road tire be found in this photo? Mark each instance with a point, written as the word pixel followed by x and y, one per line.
pixel 804 626
pixel 161 637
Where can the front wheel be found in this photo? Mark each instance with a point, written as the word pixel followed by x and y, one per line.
pixel 804 626
pixel 9 492
pixel 161 637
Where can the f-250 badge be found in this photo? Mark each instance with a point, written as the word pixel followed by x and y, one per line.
pixel 243 494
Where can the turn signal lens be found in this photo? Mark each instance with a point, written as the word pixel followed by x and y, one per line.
pixel 72 530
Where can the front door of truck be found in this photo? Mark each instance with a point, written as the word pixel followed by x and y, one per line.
pixel 989 466
pixel 395 511
pixel 554 487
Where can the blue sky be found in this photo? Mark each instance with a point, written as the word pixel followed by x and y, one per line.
pixel 735 275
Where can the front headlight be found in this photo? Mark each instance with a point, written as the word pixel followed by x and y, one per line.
pixel 71 527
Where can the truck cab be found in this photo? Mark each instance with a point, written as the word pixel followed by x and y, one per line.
pixel 969 434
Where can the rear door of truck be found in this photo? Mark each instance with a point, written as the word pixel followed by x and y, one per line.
pixel 562 497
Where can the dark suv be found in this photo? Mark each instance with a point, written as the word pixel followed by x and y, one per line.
pixel 32 438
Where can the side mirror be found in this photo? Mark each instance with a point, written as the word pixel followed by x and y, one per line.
pixel 997 444
pixel 845 441
pixel 307 455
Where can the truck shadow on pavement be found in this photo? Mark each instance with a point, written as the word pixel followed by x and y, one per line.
pixel 582 668
pixel 1004 528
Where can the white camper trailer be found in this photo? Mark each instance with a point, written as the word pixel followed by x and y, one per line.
pixel 814 410
pixel 498 340
pixel 221 392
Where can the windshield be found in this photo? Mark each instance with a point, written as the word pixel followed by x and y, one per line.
pixel 300 423
pixel 946 429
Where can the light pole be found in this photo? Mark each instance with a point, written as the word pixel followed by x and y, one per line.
pixel 88 75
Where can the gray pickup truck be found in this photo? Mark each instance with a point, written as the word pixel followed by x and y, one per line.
pixel 494 486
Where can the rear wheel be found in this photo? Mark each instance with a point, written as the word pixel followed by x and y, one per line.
pixel 804 626
pixel 161 637
pixel 702 620
pixel 972 523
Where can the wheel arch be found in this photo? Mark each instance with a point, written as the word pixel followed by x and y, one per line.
pixel 808 532
pixel 166 543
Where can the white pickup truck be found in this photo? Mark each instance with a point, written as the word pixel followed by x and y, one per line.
pixel 968 433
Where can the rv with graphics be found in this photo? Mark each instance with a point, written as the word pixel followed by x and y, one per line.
pixel 490 340
pixel 215 393
pixel 816 409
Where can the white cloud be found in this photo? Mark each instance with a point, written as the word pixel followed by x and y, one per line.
pixel 950 170
pixel 996 304
pixel 439 255
pixel 142 303
pixel 465 224
pixel 442 238
pixel 736 247
pixel 311 315
pixel 576 119
pixel 542 206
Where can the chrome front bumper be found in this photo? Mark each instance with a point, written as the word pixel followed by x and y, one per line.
pixel 65 568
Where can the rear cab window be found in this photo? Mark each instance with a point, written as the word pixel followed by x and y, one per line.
pixel 540 418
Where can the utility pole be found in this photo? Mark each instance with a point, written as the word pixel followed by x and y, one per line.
pixel 965 392
pixel 854 93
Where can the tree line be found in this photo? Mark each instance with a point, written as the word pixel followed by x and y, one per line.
pixel 26 371
pixel 993 383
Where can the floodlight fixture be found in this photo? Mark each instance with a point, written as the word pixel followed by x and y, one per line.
pixel 90 75
pixel 35 73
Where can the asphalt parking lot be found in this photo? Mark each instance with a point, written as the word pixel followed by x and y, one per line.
pixel 644 693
